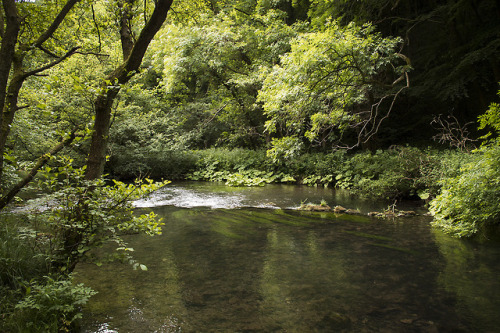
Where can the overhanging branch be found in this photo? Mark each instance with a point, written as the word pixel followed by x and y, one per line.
pixel 52 64
pixel 7 198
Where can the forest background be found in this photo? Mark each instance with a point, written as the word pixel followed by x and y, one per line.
pixel 390 99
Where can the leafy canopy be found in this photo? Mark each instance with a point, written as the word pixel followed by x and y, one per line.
pixel 330 81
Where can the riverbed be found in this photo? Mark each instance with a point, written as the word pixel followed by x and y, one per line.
pixel 246 260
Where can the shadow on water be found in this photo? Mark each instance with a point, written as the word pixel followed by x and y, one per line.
pixel 280 270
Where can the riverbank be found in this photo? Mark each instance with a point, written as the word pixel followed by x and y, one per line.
pixel 460 188
pixel 398 173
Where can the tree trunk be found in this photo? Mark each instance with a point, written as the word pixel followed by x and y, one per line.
pixel 10 107
pixel 104 102
pixel 7 51
pixel 9 40
pixel 126 35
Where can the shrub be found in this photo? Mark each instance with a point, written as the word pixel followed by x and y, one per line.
pixel 52 306
pixel 90 213
pixel 23 255
pixel 469 202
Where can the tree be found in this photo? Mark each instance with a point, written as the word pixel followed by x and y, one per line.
pixel 133 54
pixel 332 82
pixel 30 48
pixel 24 36
pixel 209 75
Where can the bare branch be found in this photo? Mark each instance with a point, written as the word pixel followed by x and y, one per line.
pixel 451 131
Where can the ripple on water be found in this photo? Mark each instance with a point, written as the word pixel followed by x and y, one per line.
pixel 189 198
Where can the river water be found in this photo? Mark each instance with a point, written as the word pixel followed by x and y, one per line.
pixel 245 260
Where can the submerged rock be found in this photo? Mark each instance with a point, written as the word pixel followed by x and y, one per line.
pixel 315 208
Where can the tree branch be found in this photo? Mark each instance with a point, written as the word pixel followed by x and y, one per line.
pixel 42 160
pixel 50 53
pixel 96 26
pixel 52 64
pixel 148 32
pixel 55 24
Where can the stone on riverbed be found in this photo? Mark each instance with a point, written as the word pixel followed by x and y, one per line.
pixel 339 210
pixel 389 213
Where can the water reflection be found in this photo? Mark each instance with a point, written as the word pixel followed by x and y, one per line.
pixel 471 272
pixel 263 270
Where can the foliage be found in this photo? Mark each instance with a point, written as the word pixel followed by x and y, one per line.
pixel 209 75
pixel 52 306
pixel 401 172
pixel 469 202
pixel 82 215
pixel 21 256
pixel 30 299
pixel 237 167
pixel 148 145
pixel 89 213
pixel 284 149
pixel 329 82
pixel 250 178
pixel 491 120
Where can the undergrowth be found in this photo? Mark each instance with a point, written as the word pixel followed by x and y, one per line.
pixel 401 172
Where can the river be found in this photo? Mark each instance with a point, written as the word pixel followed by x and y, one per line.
pixel 245 260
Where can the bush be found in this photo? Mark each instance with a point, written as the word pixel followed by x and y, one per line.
pixel 30 300
pixel 37 255
pixel 469 202
pixel 51 306
pixel 23 255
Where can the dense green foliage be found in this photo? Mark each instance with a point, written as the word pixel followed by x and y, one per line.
pixel 469 203
pixel 321 89
pixel 401 172
pixel 30 299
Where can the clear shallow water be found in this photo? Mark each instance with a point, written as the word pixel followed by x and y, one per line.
pixel 212 195
pixel 277 270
